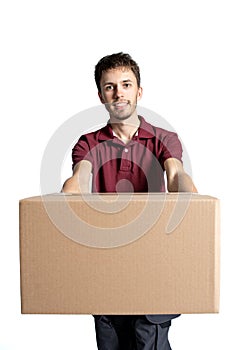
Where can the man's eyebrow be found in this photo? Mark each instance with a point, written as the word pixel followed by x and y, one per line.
pixel 123 81
pixel 126 81
pixel 108 83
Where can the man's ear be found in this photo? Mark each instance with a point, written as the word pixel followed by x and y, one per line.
pixel 100 97
pixel 140 91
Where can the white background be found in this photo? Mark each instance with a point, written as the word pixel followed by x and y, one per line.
pixel 48 53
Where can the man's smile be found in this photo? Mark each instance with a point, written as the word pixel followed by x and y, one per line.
pixel 120 104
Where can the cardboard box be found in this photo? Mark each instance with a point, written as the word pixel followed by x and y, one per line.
pixel 120 254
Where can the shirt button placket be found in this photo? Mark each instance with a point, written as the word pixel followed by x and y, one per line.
pixel 125 160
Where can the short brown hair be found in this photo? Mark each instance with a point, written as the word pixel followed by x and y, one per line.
pixel 113 61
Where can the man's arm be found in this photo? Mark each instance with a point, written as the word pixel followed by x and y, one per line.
pixel 177 179
pixel 79 182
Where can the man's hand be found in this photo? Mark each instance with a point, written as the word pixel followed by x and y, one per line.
pixel 177 179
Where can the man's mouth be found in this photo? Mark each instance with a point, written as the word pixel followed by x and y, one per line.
pixel 120 105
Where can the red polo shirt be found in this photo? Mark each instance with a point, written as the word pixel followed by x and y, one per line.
pixel 137 166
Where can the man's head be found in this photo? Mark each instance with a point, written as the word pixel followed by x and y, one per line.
pixel 116 60
pixel 118 80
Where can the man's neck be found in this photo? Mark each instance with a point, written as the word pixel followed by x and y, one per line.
pixel 125 129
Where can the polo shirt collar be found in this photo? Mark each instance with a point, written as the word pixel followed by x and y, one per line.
pixel 106 133
pixel 145 131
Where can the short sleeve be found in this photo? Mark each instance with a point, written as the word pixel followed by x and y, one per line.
pixel 81 151
pixel 170 148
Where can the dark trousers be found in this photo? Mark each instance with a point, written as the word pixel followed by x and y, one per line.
pixel 131 333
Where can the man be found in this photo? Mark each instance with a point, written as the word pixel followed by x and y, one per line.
pixel 127 155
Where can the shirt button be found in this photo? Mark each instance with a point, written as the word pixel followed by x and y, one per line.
pixel 126 150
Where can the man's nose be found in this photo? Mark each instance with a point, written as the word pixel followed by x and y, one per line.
pixel 119 91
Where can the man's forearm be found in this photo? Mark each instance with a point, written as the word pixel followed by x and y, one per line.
pixel 181 182
pixel 73 185
pixel 80 181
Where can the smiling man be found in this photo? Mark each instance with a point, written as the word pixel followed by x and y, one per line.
pixel 127 155
pixel 119 92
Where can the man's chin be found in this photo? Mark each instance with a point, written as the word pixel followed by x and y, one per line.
pixel 122 114
pixel 120 117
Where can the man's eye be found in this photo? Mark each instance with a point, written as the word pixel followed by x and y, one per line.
pixel 126 85
pixel 108 87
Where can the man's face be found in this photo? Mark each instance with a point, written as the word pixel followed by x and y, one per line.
pixel 120 92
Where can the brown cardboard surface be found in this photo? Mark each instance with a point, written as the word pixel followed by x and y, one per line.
pixel 168 268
